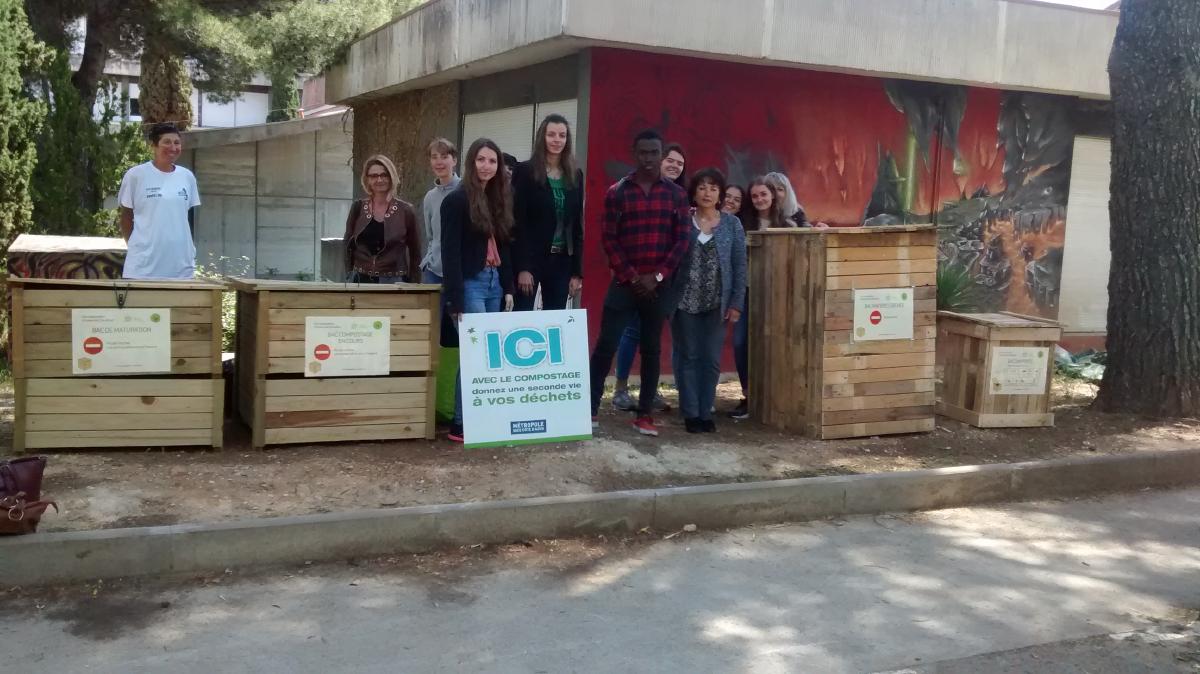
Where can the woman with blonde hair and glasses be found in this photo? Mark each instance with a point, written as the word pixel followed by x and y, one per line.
pixel 383 241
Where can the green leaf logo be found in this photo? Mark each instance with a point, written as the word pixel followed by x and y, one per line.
pixel 378 325
pixel 154 318
pixel 904 296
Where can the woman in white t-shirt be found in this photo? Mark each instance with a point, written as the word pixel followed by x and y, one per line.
pixel 155 200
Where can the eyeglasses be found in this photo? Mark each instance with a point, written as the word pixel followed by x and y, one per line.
pixel 376 176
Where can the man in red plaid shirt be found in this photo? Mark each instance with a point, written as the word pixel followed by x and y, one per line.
pixel 645 233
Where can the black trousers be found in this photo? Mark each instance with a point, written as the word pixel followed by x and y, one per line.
pixel 620 307
pixel 553 274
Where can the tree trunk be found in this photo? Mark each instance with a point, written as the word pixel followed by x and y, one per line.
pixel 1154 282
pixel 165 91
pixel 284 102
pixel 95 54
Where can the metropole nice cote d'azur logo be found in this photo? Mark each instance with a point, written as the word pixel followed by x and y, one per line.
pixel 524 348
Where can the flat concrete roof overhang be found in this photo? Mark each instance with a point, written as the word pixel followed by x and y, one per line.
pixel 1005 44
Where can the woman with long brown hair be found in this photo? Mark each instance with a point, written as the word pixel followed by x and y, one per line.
pixel 548 214
pixel 477 226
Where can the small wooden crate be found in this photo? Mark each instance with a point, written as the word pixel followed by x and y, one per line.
pixel 975 371
pixel 282 406
pixel 56 409
pixel 807 373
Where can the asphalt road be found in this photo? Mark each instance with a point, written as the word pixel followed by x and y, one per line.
pixel 1029 587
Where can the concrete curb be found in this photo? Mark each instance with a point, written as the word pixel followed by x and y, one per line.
pixel 197 548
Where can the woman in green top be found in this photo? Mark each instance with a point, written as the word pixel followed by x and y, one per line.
pixel 548 219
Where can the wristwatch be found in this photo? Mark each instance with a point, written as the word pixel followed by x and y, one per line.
pixel 658 277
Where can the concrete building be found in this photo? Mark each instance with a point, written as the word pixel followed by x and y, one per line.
pixel 270 193
pixel 986 117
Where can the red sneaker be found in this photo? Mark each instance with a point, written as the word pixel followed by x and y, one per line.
pixel 456 434
pixel 645 426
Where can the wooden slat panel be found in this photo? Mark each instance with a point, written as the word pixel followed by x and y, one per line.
pixel 882 253
pixel 880 281
pixel 881 361
pixel 20 393
pixel 62 350
pixel 878 388
pixel 843 336
pixel 877 402
pixel 116 422
pixel 870 348
pixel 878 428
pixel 185 332
pixel 354 417
pixel 107 299
pixel 880 267
pixel 275 436
pixel 398 316
pixel 400 333
pixel 847 296
pixel 876 415
pixel 880 374
pixel 151 438
pixel 911 240
pixel 344 402
pixel 344 300
pixel 17 325
pixel 397 364
pixel 119 405
pixel 62 316
pixel 62 368
pixel 296 349
pixel 96 387
pixel 345 386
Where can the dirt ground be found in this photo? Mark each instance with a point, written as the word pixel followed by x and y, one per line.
pixel 105 489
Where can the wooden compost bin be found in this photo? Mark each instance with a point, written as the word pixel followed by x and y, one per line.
pixel 808 372
pixel 58 409
pixel 283 406
pixel 997 368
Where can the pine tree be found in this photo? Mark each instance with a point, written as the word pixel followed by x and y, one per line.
pixel 1154 281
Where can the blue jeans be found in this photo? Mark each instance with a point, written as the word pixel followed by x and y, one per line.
pixel 430 277
pixel 628 348
pixel 741 347
pixel 696 358
pixel 481 294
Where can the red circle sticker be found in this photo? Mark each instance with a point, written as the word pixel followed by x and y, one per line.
pixel 322 352
pixel 876 317
pixel 93 345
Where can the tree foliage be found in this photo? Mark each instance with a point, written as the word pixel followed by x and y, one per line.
pixel 80 158
pixel 20 119
pixel 309 36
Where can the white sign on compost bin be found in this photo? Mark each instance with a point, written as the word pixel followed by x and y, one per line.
pixel 347 346
pixel 120 341
pixel 1019 370
pixel 882 313
pixel 525 377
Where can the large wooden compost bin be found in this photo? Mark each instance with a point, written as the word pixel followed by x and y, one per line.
pixel 91 367
pixel 996 368
pixel 285 399
pixel 816 367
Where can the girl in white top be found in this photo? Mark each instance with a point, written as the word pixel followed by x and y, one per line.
pixel 155 200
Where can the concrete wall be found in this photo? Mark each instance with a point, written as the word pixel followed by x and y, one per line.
pixel 1010 44
pixel 270 193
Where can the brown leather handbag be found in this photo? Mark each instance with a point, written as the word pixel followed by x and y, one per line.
pixel 21 507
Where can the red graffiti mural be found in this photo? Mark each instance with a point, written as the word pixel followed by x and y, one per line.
pixel 856 149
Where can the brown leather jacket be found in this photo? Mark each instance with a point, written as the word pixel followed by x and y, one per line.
pixel 401 252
